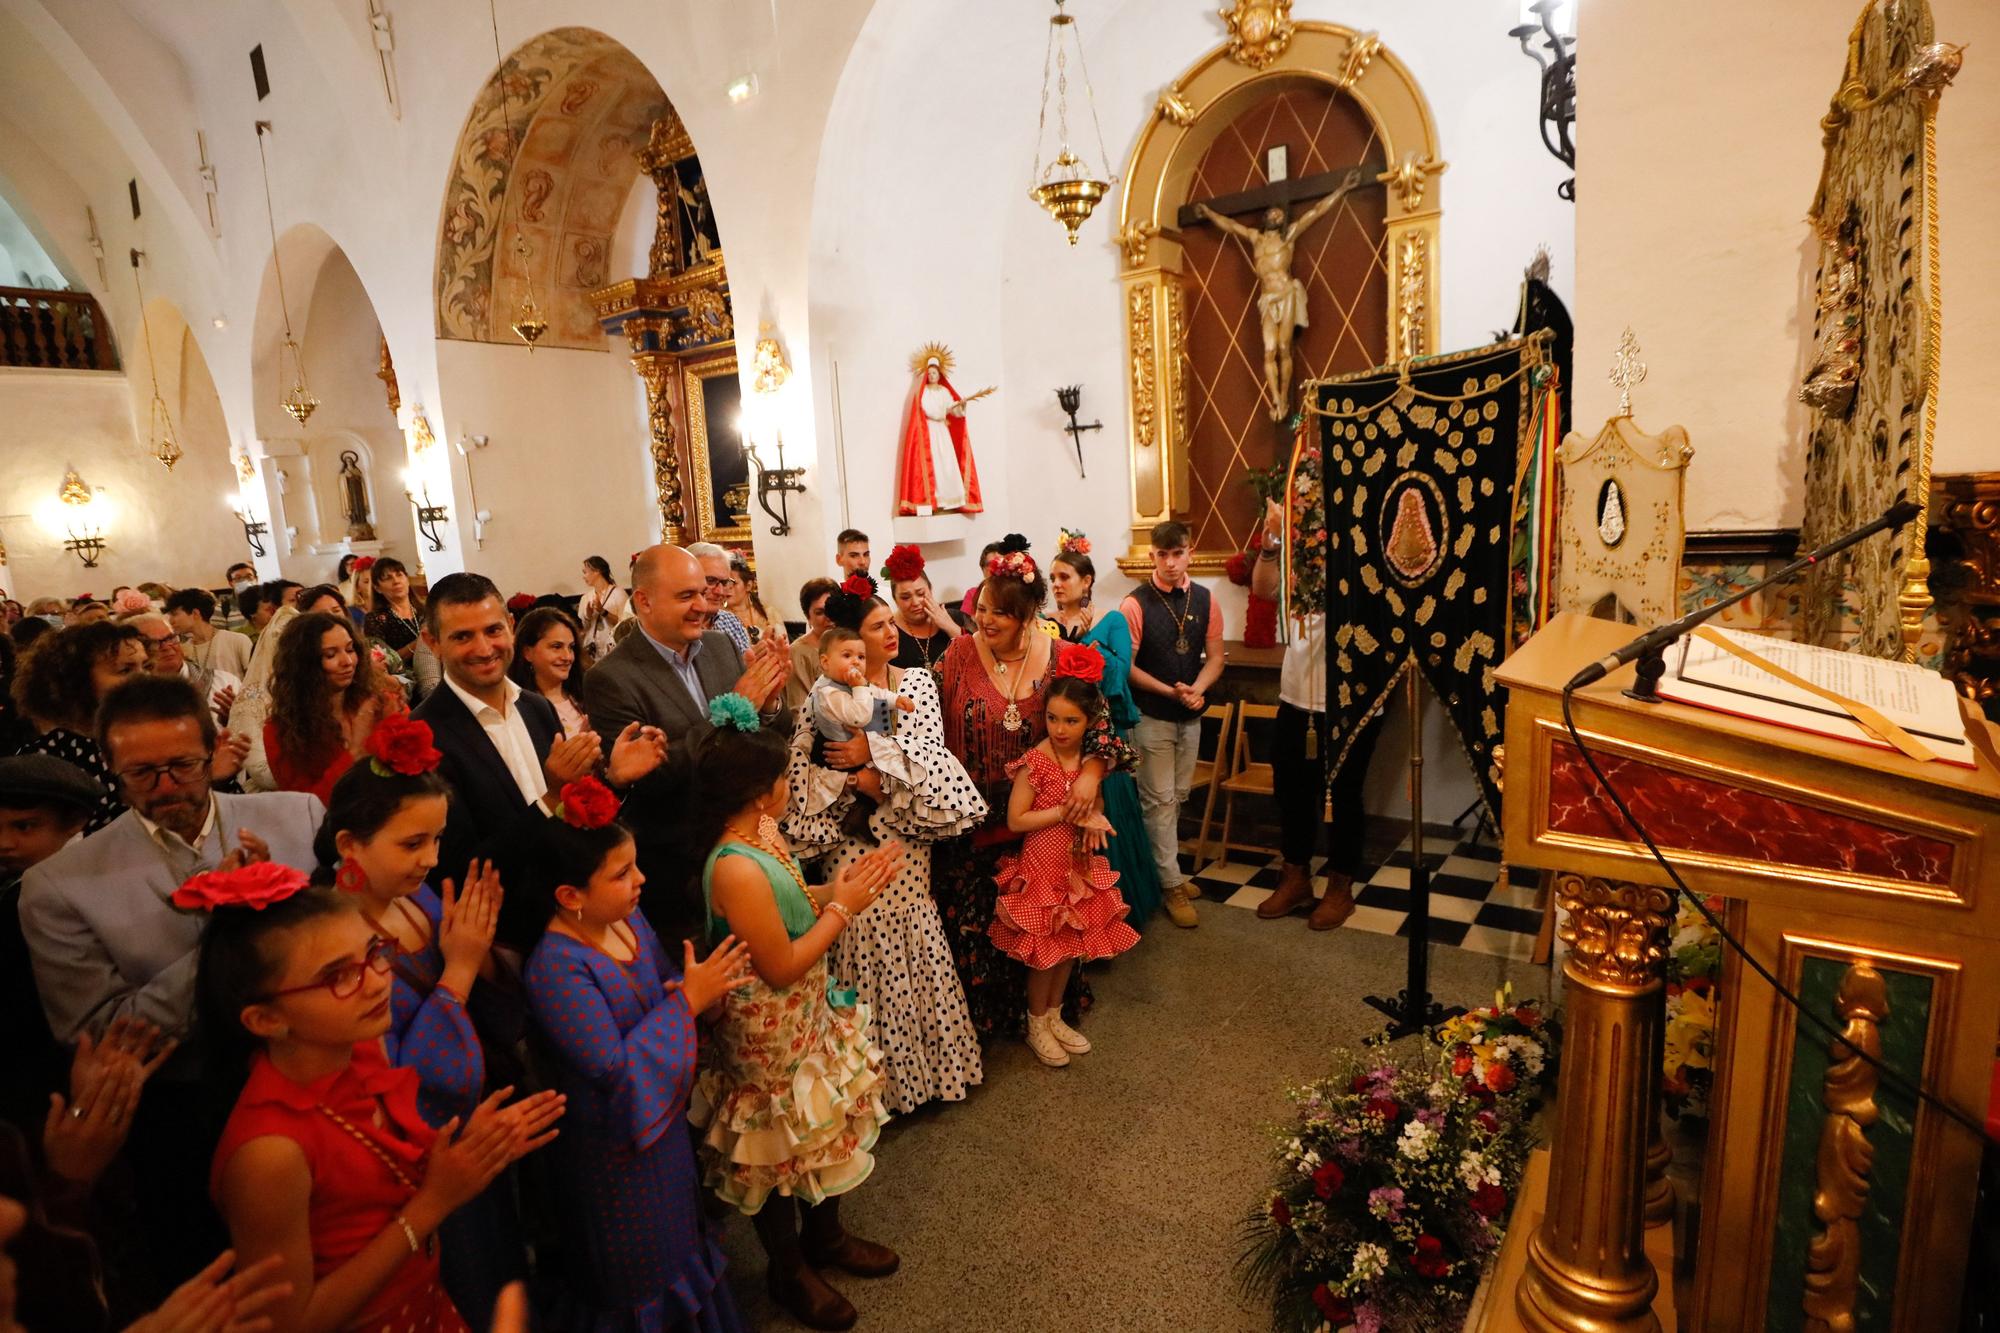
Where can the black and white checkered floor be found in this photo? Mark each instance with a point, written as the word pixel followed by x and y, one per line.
pixel 1472 907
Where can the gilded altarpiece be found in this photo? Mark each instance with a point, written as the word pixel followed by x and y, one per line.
pixel 1335 98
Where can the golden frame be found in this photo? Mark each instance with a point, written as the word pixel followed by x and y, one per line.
pixel 1191 114
pixel 694 374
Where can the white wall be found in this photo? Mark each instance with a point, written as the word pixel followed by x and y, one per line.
pixel 1690 228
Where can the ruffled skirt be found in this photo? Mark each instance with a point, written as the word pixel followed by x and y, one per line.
pixel 1043 918
pixel 790 1096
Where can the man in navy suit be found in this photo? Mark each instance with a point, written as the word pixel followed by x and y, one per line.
pixel 504 752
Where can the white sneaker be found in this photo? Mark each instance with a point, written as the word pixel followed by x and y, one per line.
pixel 1071 1040
pixel 1043 1042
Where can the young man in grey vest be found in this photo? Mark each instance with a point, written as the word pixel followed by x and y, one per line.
pixel 1178 632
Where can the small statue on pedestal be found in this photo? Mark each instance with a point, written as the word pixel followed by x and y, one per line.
pixel 354 498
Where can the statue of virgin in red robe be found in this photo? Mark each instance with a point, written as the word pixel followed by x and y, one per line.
pixel 936 475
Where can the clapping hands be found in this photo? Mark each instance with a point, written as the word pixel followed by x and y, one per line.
pixel 212 1301
pixel 83 1134
pixel 467 925
pixel 726 968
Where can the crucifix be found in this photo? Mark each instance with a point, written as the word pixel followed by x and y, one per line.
pixel 1281 299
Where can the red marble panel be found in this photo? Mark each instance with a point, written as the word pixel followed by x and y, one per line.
pixel 1687 813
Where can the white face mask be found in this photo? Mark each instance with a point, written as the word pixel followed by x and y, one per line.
pixel 240 585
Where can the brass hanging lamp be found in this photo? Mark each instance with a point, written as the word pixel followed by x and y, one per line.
pixel 1066 188
pixel 160 442
pixel 298 402
pixel 528 324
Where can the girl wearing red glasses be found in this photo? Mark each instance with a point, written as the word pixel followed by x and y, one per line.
pixel 325 1161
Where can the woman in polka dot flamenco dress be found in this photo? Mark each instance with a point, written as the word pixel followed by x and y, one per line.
pixel 1059 900
pixel 638 1257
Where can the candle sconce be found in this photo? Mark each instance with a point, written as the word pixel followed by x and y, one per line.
pixel 1070 399
pixel 253 529
pixel 780 481
pixel 428 515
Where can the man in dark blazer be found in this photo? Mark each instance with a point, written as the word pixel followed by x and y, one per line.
pixel 664 675
pixel 504 752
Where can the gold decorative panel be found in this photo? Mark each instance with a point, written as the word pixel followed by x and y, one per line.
pixel 1168 273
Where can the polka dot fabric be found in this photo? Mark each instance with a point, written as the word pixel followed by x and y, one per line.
pixel 1056 903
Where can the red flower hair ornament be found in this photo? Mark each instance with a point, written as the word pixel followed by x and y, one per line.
pixel 256 886
pixel 587 804
pixel 1011 565
pixel 858 585
pixel 905 562
pixel 1080 660
pixel 401 745
pixel 364 562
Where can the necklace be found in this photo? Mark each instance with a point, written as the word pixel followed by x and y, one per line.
pixel 924 643
pixel 770 840
pixel 1011 719
pixel 368 1141
pixel 1180 618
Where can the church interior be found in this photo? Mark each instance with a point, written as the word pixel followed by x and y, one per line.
pixel 1431 351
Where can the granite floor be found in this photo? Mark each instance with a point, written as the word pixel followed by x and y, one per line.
pixel 1106 1196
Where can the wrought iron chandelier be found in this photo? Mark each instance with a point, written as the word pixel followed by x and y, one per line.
pixel 528 324
pixel 1066 188
pixel 1558 105
pixel 160 442
pixel 298 401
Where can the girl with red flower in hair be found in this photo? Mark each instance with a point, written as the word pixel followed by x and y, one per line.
pixel 636 1251
pixel 325 1162
pixel 452 1001
pixel 1058 900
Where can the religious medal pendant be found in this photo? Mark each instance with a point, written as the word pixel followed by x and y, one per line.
pixel 1011 719
pixel 1181 644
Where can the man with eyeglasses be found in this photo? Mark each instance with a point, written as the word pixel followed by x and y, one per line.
pixel 165 656
pixel 721 582
pixel 106 942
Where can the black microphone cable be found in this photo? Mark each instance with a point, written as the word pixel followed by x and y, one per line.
pixel 1893 1077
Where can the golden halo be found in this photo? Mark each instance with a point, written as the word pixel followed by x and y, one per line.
pixel 926 352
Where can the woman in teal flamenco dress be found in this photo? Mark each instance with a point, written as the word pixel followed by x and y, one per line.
pixel 1071 576
pixel 789 1098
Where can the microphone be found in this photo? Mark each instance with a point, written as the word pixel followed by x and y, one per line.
pixel 1896 515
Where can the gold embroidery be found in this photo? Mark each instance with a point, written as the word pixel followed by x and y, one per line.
pixel 1453 584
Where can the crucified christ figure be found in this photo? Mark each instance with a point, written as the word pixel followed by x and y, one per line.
pixel 1281 300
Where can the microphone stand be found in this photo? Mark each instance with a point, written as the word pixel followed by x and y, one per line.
pixel 1649 650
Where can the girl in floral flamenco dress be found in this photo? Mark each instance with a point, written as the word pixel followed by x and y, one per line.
pixel 1059 899
pixel 790 1093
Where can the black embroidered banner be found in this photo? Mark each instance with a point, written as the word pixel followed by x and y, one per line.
pixel 1419 472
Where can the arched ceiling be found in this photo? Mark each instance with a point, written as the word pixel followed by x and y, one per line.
pixel 587 105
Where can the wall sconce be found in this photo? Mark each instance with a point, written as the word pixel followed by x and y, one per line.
pixel 78 513
pixel 253 529
pixel 780 481
pixel 1069 400
pixel 1554 22
pixel 466 445
pixel 428 515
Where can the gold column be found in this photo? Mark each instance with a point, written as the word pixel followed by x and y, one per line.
pixel 1659 1190
pixel 1833 1260
pixel 1587 1265
pixel 657 371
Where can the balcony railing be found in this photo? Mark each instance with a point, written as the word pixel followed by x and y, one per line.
pixel 52 330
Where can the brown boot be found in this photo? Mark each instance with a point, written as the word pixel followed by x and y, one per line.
pixel 1335 905
pixel 1293 892
pixel 851 1254
pixel 806 1297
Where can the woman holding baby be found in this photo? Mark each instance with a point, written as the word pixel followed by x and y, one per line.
pixel 878 785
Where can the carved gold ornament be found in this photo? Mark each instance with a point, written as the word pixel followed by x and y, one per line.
pixel 246 466
pixel 1412 296
pixel 1362 48
pixel 1172 106
pixel 1616 932
pixel 1259 30
pixel 1833 1258
pixel 1144 373
pixel 1177 398
pixel 1409 177
pixel 1137 239
pixel 929 351
pixel 656 371
pixel 769 371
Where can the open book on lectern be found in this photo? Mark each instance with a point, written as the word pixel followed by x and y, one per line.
pixel 1705 673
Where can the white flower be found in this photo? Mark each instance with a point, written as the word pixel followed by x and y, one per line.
pixel 1417 1141
pixel 1370 1262
pixel 1471 1169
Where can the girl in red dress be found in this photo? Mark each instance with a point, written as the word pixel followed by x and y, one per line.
pixel 1059 899
pixel 325 1160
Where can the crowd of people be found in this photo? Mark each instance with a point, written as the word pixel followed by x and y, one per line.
pixel 374 950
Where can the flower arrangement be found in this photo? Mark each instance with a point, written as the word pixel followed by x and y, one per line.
pixel 401 745
pixel 1393 1188
pixel 587 804
pixel 1069 541
pixel 1306 506
pixel 905 562
pixel 1502 1048
pixel 256 885
pixel 1694 963
pixel 1012 560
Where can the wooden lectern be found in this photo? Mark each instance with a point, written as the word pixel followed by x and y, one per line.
pixel 1868 883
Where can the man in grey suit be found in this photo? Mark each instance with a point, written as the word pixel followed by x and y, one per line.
pixel 664 675
pixel 105 941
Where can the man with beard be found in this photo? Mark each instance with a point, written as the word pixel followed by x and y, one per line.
pixel 106 943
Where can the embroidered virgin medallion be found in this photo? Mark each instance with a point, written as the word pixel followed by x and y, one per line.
pixel 1413 516
pixel 1611 512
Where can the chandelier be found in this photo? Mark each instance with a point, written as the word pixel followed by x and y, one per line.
pixel 1066 188
pixel 528 324
pixel 160 440
pixel 298 401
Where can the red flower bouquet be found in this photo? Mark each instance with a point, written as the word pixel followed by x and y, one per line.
pixel 256 885
pixel 402 745
pixel 588 804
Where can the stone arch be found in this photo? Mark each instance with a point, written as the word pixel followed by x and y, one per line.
pixel 557 162
pixel 1191 114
